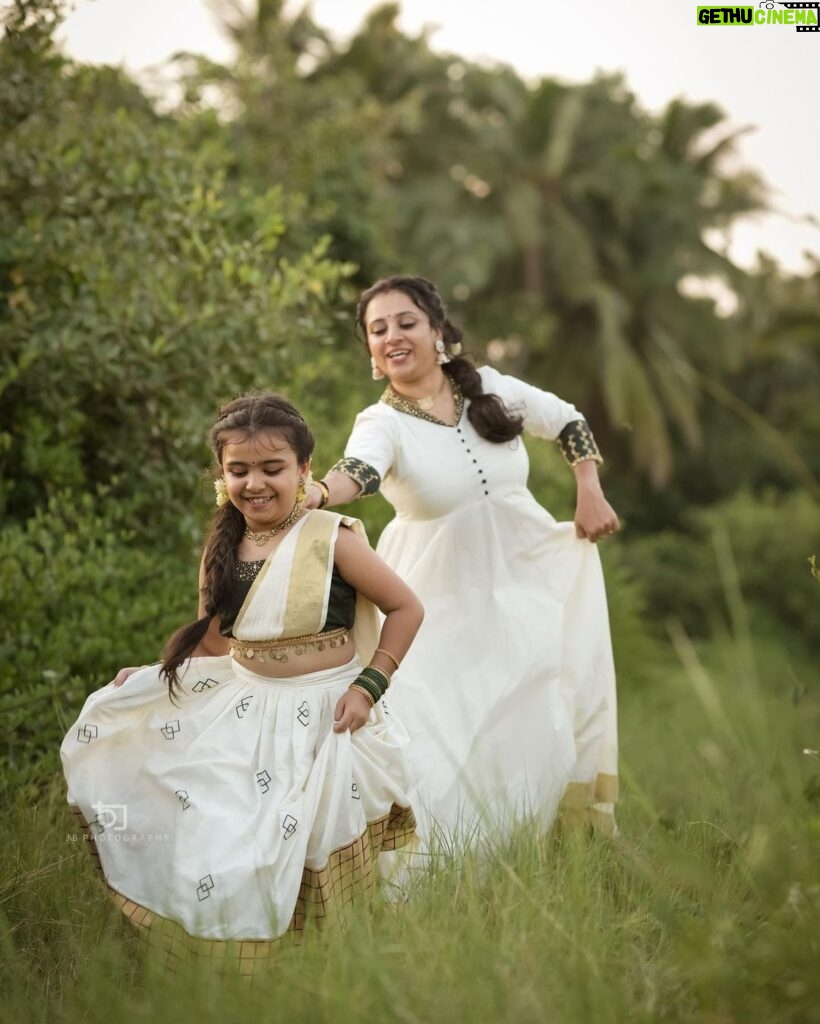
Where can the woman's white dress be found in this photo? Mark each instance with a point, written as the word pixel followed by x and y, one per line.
pixel 508 692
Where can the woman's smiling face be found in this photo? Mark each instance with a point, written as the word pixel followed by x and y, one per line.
pixel 400 337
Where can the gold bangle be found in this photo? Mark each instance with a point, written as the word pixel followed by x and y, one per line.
pixel 387 654
pixel 361 689
pixel 323 487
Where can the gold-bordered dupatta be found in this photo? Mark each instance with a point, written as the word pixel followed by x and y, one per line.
pixel 289 597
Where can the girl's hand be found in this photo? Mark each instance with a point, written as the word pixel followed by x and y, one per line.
pixel 124 673
pixel 351 712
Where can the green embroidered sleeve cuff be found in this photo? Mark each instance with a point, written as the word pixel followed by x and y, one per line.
pixel 577 443
pixel 364 475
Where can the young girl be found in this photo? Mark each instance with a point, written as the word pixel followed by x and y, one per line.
pixel 260 793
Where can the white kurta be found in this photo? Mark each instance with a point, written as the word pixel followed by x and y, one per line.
pixel 508 692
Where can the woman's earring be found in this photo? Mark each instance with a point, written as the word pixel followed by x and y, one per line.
pixel 441 354
pixel 376 372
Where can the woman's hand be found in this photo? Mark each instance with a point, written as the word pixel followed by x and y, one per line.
pixel 314 496
pixel 352 711
pixel 124 674
pixel 594 516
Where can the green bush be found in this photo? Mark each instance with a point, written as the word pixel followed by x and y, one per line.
pixel 82 599
pixel 768 537
pixel 139 288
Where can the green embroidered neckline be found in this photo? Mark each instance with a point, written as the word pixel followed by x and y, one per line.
pixel 392 398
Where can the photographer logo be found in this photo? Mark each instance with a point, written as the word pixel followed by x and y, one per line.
pixel 111 817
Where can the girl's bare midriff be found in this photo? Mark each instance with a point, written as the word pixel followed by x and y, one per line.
pixel 300 664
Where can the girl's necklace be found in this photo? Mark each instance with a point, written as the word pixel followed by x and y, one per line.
pixel 262 538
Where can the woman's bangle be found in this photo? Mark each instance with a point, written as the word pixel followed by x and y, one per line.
pixel 325 492
pixel 387 654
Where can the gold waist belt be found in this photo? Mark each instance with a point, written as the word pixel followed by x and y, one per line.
pixel 277 650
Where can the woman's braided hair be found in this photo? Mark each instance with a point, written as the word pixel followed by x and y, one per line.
pixel 487 413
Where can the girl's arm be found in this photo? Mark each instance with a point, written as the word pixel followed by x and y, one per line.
pixel 361 567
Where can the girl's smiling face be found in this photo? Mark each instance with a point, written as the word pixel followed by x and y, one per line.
pixel 262 473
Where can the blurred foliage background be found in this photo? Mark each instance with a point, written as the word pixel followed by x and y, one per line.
pixel 156 259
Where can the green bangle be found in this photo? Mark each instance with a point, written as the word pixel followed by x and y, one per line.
pixel 378 676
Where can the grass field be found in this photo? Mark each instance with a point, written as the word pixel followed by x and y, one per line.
pixel 705 908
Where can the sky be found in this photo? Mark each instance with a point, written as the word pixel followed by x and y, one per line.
pixel 763 76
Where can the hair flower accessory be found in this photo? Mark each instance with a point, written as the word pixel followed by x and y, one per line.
pixel 221 489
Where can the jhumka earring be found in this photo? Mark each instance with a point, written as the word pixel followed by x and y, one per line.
pixel 376 372
pixel 441 354
pixel 302 489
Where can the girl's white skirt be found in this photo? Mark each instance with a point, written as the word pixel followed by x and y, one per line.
pixel 225 822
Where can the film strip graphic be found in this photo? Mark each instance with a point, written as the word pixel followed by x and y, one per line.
pixel 801 7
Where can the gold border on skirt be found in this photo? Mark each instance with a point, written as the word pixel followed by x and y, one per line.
pixel 325 895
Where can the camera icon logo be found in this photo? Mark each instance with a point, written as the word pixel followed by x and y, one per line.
pixel 111 816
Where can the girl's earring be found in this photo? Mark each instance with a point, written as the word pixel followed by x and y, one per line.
pixel 375 371
pixel 302 489
pixel 441 354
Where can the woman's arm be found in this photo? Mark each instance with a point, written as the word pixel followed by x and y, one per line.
pixel 361 567
pixel 594 516
pixel 369 453
pixel 548 416
pixel 341 489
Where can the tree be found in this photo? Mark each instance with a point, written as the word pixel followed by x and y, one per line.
pixel 139 288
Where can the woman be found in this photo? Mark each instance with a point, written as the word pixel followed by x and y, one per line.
pixel 509 692
pixel 262 792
